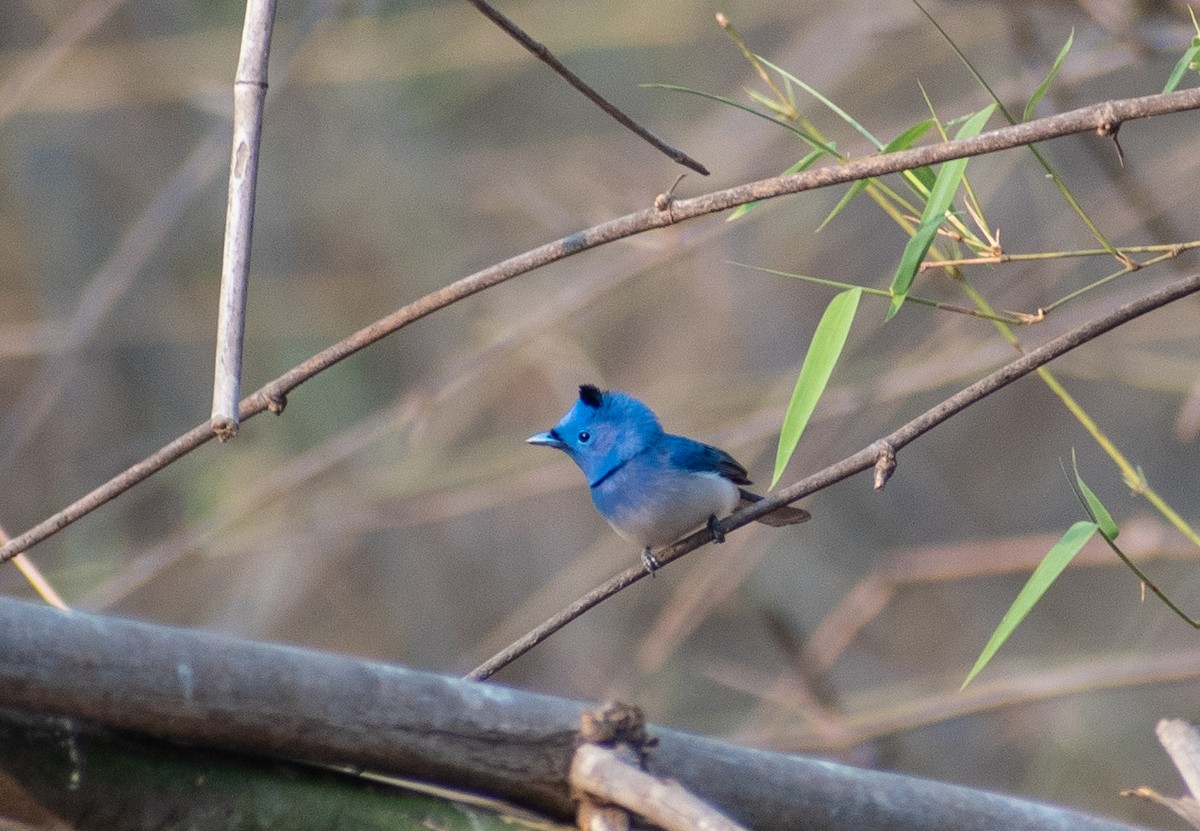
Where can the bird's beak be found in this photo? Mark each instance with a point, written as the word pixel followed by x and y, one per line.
pixel 547 439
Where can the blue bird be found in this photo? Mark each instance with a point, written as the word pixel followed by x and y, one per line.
pixel 651 486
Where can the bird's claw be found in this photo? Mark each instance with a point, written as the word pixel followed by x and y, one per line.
pixel 717 534
pixel 650 561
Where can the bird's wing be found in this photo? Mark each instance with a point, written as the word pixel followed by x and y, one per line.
pixel 695 456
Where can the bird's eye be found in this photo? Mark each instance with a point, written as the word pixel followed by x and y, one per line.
pixel 585 437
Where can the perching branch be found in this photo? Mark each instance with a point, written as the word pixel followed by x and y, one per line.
pixel 249 95
pixel 866 459
pixel 272 396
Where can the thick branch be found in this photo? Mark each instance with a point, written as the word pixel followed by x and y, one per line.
pixel 273 395
pixel 281 701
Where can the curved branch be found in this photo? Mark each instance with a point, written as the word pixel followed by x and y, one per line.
pixel 869 457
pixel 272 396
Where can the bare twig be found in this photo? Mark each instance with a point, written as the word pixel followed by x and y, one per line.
pixel 249 95
pixel 865 459
pixel 602 772
pixel 34 577
pixel 544 55
pixel 272 396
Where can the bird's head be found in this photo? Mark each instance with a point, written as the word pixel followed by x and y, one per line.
pixel 602 431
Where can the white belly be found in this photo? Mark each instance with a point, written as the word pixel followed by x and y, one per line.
pixel 678 503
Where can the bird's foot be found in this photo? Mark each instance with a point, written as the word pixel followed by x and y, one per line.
pixel 650 561
pixel 717 534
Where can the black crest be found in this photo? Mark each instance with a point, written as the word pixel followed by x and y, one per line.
pixel 591 395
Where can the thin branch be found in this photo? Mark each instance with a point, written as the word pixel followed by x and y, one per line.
pixel 272 396
pixel 544 55
pixel 34 577
pixel 864 459
pixel 249 96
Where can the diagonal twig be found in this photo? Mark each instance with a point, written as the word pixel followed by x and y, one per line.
pixel 544 55
pixel 864 459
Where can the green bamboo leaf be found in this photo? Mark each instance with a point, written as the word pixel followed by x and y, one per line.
pixel 901 142
pixel 771 104
pixel 834 108
pixel 1040 92
pixel 941 195
pixel 813 141
pixel 1043 576
pixel 827 343
pixel 1188 60
pixel 858 187
pixel 1095 508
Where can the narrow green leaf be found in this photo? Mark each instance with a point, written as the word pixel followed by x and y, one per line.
pixel 854 190
pixel 827 343
pixel 771 104
pixel 804 164
pixel 909 137
pixel 941 195
pixel 1188 59
pixel 901 142
pixel 813 141
pixel 1043 576
pixel 838 111
pixel 1040 92
pixel 1095 508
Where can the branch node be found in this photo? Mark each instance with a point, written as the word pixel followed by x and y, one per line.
pixel 616 722
pixel 885 463
pixel 621 727
pixel 609 780
pixel 664 202
pixel 1110 127
pixel 224 428
pixel 276 402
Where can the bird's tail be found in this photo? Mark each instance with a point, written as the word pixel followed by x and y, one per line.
pixel 786 515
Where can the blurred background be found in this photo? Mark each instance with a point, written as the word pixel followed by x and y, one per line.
pixel 394 511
